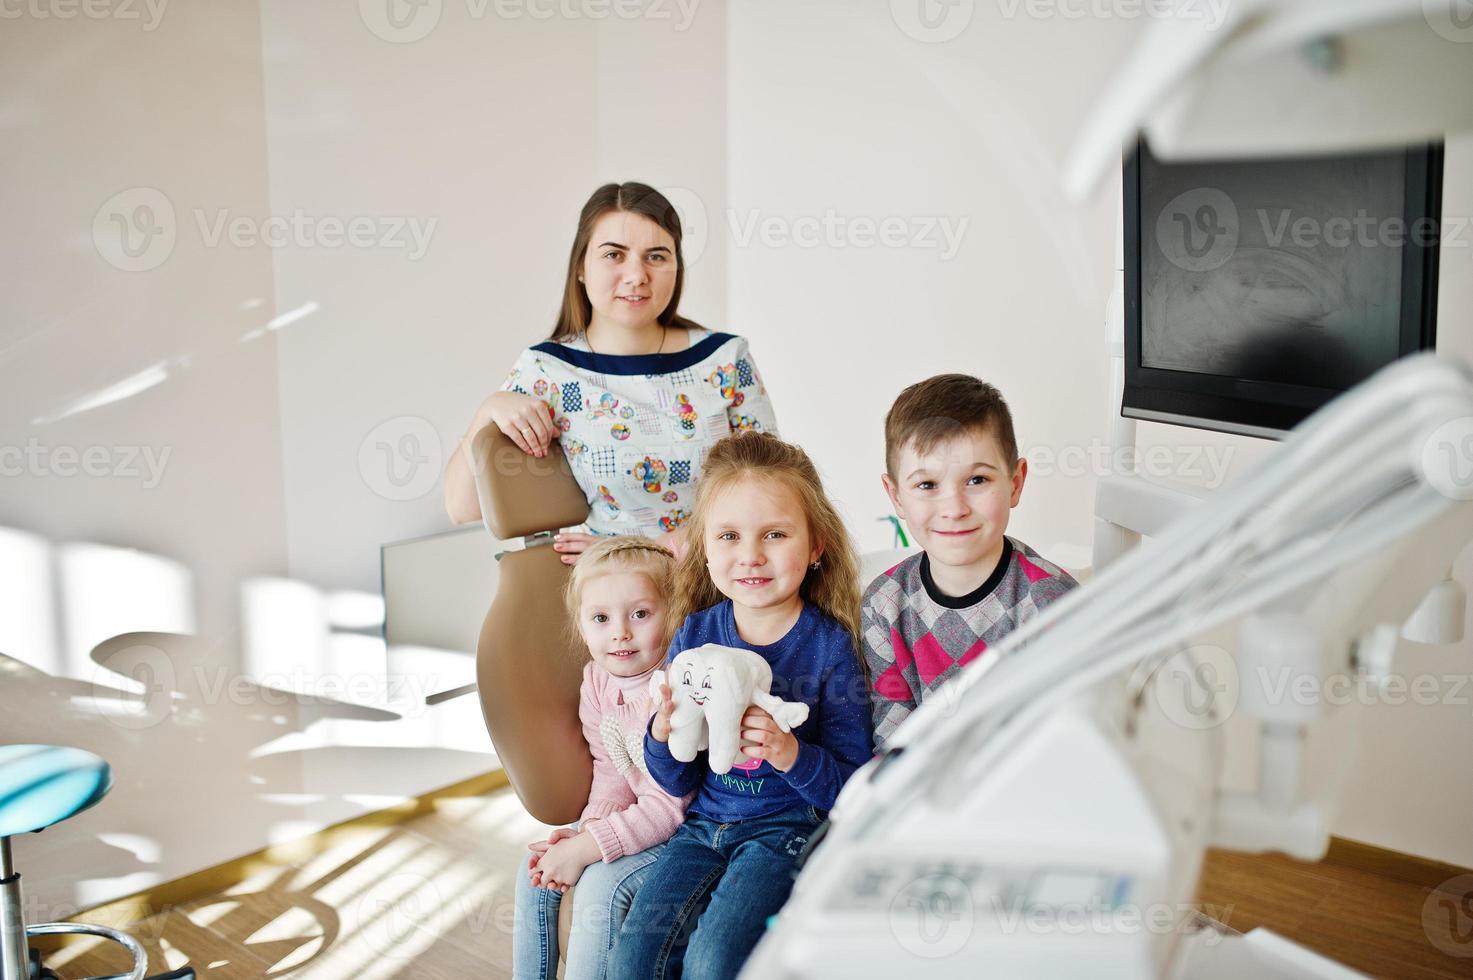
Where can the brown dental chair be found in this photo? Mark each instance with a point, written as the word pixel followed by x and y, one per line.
pixel 528 663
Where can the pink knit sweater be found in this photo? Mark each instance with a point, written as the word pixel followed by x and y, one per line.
pixel 626 811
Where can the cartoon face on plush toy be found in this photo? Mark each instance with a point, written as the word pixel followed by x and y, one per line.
pixel 699 694
pixel 712 687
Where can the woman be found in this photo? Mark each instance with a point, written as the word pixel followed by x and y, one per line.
pixel 634 393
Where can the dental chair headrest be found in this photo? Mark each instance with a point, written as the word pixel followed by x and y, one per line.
pixel 521 494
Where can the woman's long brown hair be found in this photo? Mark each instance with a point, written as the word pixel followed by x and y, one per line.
pixel 833 587
pixel 636 198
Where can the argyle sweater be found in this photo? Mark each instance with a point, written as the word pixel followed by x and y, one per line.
pixel 916 638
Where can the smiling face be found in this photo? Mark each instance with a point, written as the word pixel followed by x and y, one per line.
pixel 957 498
pixel 758 545
pixel 696 683
pixel 621 617
pixel 628 270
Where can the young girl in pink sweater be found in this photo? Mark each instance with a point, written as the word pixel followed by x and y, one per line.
pixel 617 598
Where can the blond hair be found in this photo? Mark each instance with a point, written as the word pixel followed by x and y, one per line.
pixel 625 554
pixel 833 587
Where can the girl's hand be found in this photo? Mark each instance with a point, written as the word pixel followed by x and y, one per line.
pixel 540 847
pixel 769 742
pixel 527 421
pixel 660 728
pixel 564 862
pixel 571 544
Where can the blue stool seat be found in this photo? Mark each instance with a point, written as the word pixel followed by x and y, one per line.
pixel 44 784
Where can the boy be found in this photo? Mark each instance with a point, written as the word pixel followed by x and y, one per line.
pixel 953 475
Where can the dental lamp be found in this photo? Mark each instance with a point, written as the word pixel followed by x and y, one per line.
pixel 1233 78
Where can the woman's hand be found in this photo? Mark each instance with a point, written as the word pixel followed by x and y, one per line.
pixel 675 541
pixel 527 421
pixel 660 728
pixel 768 740
pixel 571 544
pixel 563 864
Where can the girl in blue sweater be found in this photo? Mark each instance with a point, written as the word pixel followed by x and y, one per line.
pixel 769 568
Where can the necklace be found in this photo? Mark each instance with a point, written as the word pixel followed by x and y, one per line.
pixel 664 330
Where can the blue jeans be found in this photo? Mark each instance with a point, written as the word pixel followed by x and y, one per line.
pixel 600 902
pixel 702 910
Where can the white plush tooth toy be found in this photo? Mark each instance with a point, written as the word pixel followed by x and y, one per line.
pixel 712 685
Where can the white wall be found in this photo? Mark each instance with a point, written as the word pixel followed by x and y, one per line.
pixel 150 360
pixel 495 130
pixel 839 107
pixel 844 113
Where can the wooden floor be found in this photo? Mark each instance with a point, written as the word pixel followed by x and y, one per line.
pixel 432 899
pixel 429 899
pixel 1371 923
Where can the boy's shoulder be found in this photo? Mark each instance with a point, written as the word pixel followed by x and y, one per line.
pixel 904 576
pixel 1029 573
pixel 1043 575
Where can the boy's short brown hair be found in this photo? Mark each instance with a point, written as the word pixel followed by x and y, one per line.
pixel 944 407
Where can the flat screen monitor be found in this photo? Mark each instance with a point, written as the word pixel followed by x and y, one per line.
pixel 1257 290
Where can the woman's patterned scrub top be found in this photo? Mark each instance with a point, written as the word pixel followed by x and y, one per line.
pixel 636 427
